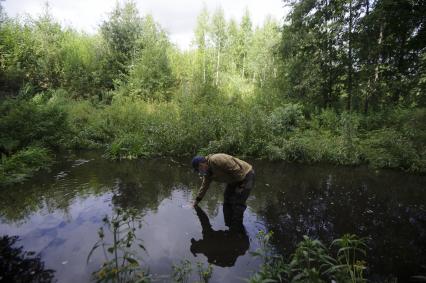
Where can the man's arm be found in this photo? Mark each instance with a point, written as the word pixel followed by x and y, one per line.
pixel 203 189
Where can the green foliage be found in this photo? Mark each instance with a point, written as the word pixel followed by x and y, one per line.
pixel 89 126
pixel 204 273
pixel 353 54
pixel 390 148
pixel 150 75
pixel 122 33
pixel 83 72
pixel 27 130
pixel 182 271
pixel 311 146
pixel 39 55
pixel 129 91
pixel 132 128
pixel 23 164
pixel 285 119
pixel 349 249
pixel 312 261
pixel 121 263
pixel 24 123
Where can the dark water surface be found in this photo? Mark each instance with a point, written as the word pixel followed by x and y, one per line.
pixel 57 215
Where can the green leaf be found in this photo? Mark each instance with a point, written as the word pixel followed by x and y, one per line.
pixel 132 260
pixel 142 247
pixel 97 244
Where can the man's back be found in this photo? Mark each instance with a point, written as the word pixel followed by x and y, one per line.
pixel 226 168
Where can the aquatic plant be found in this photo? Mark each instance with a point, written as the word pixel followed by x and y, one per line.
pixel 312 261
pixel 182 271
pixel 204 273
pixel 350 248
pixel 273 265
pixel 121 263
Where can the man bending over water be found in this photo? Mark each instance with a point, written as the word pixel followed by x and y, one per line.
pixel 236 173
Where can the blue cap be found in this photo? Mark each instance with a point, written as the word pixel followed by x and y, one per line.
pixel 196 161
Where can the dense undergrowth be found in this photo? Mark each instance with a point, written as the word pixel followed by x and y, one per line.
pixel 29 132
pixel 243 90
pixel 187 125
pixel 130 128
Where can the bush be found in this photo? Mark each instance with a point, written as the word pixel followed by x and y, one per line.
pixel 285 119
pixel 27 131
pixel 312 261
pixel 23 164
pixel 24 123
pixel 314 146
pixel 89 125
pixel 390 148
pixel 131 127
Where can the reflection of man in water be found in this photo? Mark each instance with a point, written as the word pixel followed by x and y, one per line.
pixel 236 173
pixel 221 248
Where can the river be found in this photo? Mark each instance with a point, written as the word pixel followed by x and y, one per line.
pixel 57 215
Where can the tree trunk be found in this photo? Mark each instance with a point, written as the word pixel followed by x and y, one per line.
pixel 374 90
pixel 367 13
pixel 217 66
pixel 204 66
pixel 244 62
pixel 349 105
pixel 330 52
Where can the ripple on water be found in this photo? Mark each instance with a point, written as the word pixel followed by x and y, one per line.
pixel 64 212
pixel 80 162
pixel 61 175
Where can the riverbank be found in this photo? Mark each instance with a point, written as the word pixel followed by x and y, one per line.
pixel 130 128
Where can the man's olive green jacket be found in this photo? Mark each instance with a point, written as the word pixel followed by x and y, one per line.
pixel 223 168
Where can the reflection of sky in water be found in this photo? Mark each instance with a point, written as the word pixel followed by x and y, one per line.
pixel 167 234
pixel 64 240
pixel 58 214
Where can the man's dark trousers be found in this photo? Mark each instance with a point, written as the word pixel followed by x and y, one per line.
pixel 235 198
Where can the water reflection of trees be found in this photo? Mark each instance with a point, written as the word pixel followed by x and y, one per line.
pixel 144 188
pixel 17 265
pixel 56 190
pixel 326 203
pixel 141 184
pixel 293 200
pixel 138 184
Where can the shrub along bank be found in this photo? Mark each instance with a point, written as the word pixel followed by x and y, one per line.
pixel 187 125
pixel 29 132
pixel 132 128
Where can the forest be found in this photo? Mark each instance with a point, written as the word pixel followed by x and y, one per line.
pixel 339 81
